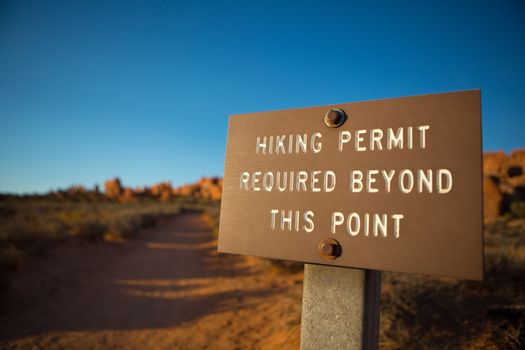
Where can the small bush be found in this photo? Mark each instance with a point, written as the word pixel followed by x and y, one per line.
pixel 517 209
pixel 89 229
pixel 11 257
pixel 147 220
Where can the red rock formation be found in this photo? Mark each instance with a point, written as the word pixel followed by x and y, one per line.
pixel 495 163
pixel 516 171
pixel 504 181
pixel 113 188
pixel 517 157
pixel 128 196
pixel 161 187
pixel 183 191
pixel 162 190
pixel 209 188
pixel 76 190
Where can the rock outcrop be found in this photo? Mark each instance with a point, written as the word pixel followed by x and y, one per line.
pixel 503 185
pixel 113 188
pixel 516 171
pixel 209 188
pixel 504 181
pixel 163 191
pixel 128 196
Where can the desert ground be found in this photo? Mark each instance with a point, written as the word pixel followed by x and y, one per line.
pixel 167 288
pixel 138 268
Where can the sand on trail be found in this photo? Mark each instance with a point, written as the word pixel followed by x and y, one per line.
pixel 165 289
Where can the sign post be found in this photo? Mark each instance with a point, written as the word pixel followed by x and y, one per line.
pixel 390 185
pixel 340 308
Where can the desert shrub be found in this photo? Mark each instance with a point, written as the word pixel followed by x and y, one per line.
pixel 147 220
pixel 91 229
pixel 506 266
pixel 517 209
pixel 214 214
pixel 210 210
pixel 125 225
pixel 10 256
pixel 121 227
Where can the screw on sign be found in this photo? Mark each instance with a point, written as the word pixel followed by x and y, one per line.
pixel 335 117
pixel 395 187
pixel 330 249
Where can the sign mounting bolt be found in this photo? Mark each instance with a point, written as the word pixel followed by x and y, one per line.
pixel 335 117
pixel 330 249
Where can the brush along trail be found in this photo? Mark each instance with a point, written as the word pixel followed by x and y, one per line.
pixel 168 288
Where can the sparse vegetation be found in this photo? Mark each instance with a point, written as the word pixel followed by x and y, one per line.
pixel 417 312
pixel 32 225
pixel 517 209
pixel 212 212
pixel 420 312
pixel 429 313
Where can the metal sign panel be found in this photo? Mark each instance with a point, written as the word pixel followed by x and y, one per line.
pixel 397 186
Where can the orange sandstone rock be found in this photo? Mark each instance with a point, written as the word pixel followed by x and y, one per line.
pixel 496 164
pixel 113 188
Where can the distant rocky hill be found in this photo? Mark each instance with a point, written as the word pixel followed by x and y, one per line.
pixel 503 187
pixel 207 188
pixel 503 182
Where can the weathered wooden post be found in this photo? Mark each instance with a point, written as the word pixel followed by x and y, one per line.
pixel 354 189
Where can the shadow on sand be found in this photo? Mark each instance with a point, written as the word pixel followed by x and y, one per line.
pixel 168 276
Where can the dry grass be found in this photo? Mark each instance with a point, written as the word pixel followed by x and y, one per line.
pixel 212 213
pixel 428 313
pixel 31 226
pixel 419 312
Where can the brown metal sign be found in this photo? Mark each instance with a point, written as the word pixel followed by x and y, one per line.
pixel 387 185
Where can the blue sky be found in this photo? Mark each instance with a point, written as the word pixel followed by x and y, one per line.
pixel 143 89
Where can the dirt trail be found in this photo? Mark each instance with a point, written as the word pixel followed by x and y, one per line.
pixel 166 289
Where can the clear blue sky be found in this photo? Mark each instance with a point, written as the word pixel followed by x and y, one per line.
pixel 94 89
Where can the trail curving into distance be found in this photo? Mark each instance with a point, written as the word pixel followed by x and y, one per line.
pixel 166 289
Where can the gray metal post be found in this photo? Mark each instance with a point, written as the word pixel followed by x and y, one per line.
pixel 340 308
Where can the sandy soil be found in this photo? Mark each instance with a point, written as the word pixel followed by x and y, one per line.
pixel 166 289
